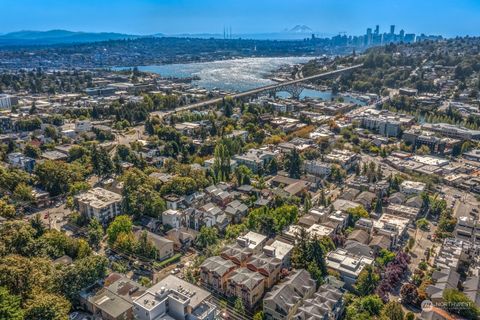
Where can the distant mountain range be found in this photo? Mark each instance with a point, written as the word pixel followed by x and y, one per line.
pixel 59 37
pixel 28 38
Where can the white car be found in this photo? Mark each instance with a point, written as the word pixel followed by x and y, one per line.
pixel 72 315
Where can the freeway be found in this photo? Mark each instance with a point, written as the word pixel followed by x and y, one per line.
pixel 256 91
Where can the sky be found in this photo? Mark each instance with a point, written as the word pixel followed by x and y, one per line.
pixel 446 17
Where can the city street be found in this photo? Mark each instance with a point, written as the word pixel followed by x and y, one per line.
pixel 54 217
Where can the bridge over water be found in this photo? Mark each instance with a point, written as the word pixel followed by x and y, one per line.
pixel 292 86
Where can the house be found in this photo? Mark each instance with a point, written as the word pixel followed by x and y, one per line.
pixel 83 125
pixel 173 201
pixel 366 199
pixel 347 265
pixel 236 210
pixel 471 288
pixel 174 298
pixel 358 249
pixel 247 285
pixel 267 264
pixel 113 300
pixel 214 216
pixel 359 235
pixel 41 198
pixel 397 198
pixel 182 238
pixel 214 272
pixel 414 202
pixel 327 303
pixel 219 194
pixel 412 187
pixel 284 298
pixel 393 226
pixel 99 203
pixel 346 159
pixel 280 250
pixel 163 245
pixel 18 160
pixel 255 159
pixel 172 218
pixel 380 242
pixel 444 279
pixel 244 248
pixel 403 211
pixel 364 224
pixel 287 187
pixel 435 313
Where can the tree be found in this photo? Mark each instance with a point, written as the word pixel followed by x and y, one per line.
pixel 23 193
pixel 409 294
pixel 10 305
pixel 145 247
pixel 259 316
pixel 207 236
pixel 95 233
pixel 272 221
pixel 410 316
pixel 83 273
pixel 457 302
pixel 357 213
pixel 101 162
pixel 307 250
pixel 243 175
pixel 239 307
pixel 32 151
pixel 77 152
pixel 7 210
pixel 47 306
pixel 393 311
pixel 139 195
pixel 423 150
pixel 221 164
pixel 56 176
pixel 38 225
pixel 121 224
pixel 315 273
pixel 233 231
pixel 367 281
pixel 422 224
pixel 364 308
pixel 384 257
pixel 294 163
pixel 272 166
pixel 51 132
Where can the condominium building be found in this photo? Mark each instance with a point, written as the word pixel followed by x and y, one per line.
pixel 284 299
pixel 174 298
pixel 347 265
pixel 99 203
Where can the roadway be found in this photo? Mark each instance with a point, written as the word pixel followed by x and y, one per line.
pixel 256 91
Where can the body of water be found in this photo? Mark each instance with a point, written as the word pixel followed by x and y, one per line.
pixel 236 75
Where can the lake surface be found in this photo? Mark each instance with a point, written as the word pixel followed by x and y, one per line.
pixel 236 75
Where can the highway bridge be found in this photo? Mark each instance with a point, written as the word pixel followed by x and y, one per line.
pixel 289 86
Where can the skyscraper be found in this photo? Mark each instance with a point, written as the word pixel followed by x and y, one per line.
pixel 392 29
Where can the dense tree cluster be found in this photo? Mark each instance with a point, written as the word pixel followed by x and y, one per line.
pixel 31 286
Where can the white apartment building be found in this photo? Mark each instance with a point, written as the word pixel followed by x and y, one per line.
pixel 412 187
pixel 173 218
pixel 318 168
pixel 99 203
